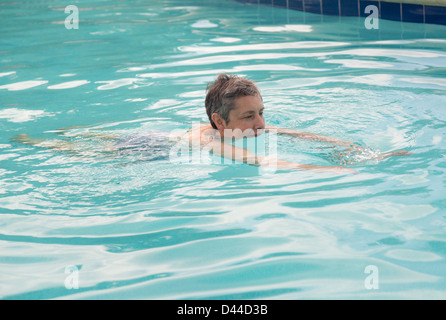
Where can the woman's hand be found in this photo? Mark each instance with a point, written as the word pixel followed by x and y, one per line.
pixel 397 154
pixel 337 170
pixel 285 165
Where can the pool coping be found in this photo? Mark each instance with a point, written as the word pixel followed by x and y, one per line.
pixel 415 11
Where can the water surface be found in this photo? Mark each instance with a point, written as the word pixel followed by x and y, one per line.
pixel 130 228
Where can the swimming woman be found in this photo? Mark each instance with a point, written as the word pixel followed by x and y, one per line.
pixel 235 108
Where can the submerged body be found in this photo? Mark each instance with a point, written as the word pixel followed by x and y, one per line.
pixel 153 145
pixel 235 109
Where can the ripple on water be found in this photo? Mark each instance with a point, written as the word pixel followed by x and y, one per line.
pixel 144 229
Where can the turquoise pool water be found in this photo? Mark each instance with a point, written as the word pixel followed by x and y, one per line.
pixel 81 225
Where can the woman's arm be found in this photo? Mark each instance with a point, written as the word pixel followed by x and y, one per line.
pixel 308 136
pixel 316 137
pixel 229 151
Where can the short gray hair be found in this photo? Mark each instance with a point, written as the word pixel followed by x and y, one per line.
pixel 221 95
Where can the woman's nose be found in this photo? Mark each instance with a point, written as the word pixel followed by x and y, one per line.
pixel 260 122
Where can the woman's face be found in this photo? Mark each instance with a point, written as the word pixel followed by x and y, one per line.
pixel 245 120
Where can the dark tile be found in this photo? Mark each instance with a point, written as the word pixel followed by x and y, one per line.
pixel 390 11
pixel 267 2
pixel 435 14
pixel 280 3
pixel 313 6
pixel 413 13
pixel 364 4
pixel 349 7
pixel 248 1
pixel 296 4
pixel 330 7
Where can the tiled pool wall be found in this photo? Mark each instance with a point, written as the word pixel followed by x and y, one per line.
pixel 418 11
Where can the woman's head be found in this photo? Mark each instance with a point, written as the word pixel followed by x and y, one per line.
pixel 233 102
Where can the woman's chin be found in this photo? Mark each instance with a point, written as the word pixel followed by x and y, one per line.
pixel 259 132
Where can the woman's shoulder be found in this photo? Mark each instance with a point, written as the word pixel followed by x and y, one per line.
pixel 199 130
pixel 200 127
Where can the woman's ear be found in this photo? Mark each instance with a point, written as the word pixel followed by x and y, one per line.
pixel 218 120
